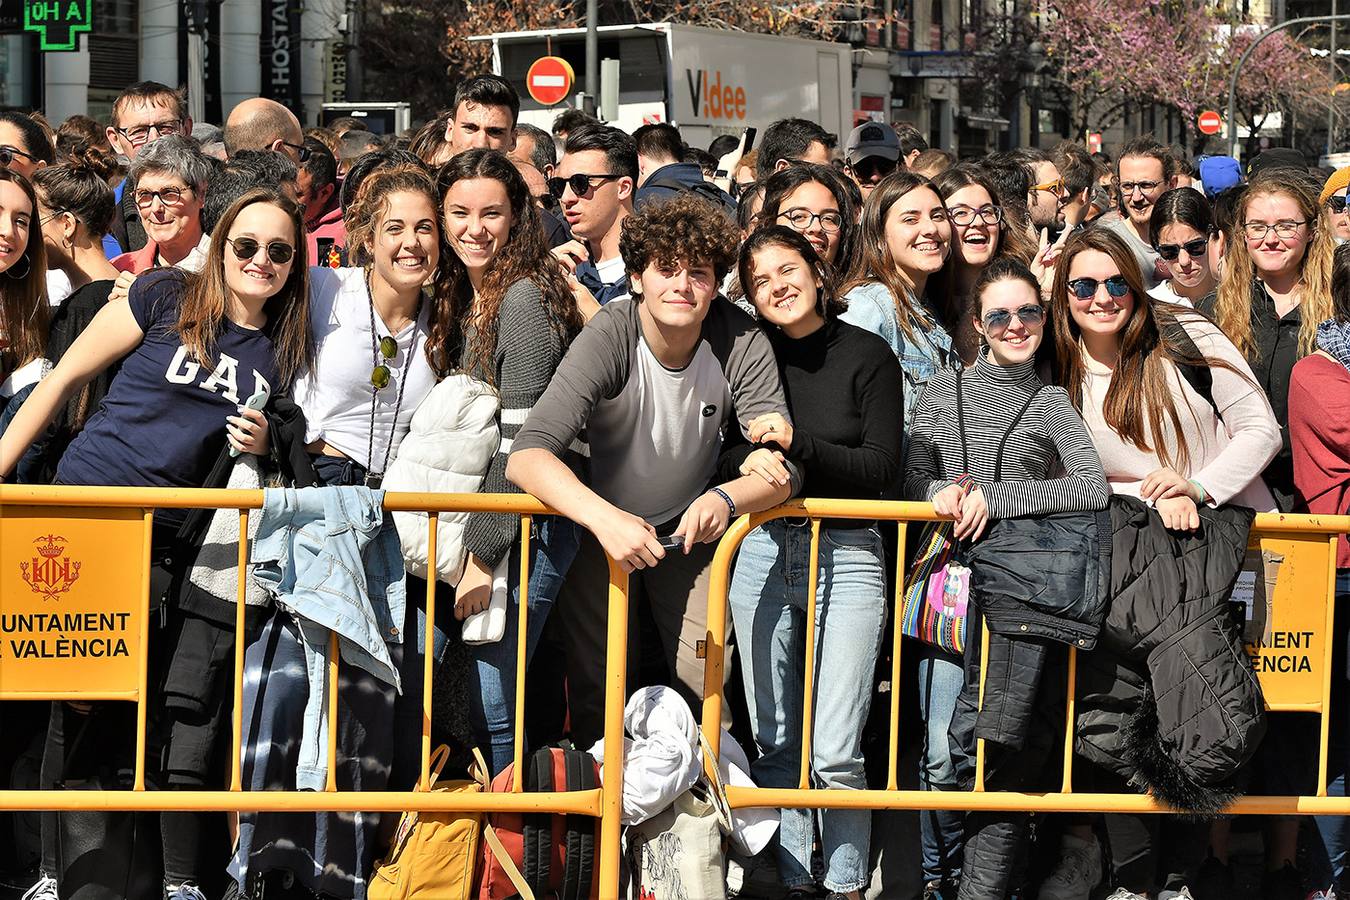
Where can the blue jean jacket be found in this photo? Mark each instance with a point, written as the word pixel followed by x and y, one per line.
pixel 325 556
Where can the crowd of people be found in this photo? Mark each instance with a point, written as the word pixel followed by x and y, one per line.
pixel 653 339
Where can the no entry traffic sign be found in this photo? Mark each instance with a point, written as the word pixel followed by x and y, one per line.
pixel 1209 122
pixel 549 79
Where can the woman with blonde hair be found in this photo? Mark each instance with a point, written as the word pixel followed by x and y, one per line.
pixel 1275 289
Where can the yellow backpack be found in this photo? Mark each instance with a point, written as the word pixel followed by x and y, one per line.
pixel 434 853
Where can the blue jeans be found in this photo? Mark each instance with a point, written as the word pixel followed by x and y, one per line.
pixel 553 545
pixel 768 607
pixel 943 831
pixel 1335 830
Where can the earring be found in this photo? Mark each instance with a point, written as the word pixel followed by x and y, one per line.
pixel 29 268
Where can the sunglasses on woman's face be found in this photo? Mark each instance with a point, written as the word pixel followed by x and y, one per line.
pixel 379 376
pixel 998 320
pixel 1086 288
pixel 1193 249
pixel 279 252
pixel 1336 204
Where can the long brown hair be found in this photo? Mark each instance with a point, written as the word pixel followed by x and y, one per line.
pixel 874 263
pixel 525 255
pixel 1140 403
pixel 24 311
pixel 201 318
pixel 1233 305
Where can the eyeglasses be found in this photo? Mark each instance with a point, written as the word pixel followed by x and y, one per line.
pixel 43 220
pixel 871 166
pixel 1143 187
pixel 1257 231
pixel 801 218
pixel 7 154
pixel 1055 187
pixel 1193 249
pixel 379 376
pixel 302 152
pixel 139 134
pixel 279 252
pixel 1086 288
pixel 168 196
pixel 998 320
pixel 580 183
pixel 964 215
pixel 1336 204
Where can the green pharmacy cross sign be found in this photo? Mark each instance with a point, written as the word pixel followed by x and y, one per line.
pixel 58 22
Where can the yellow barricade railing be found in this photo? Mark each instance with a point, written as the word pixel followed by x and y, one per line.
pixel 80 551
pixel 1299 609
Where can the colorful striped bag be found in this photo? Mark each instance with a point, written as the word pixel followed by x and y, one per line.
pixel 937 592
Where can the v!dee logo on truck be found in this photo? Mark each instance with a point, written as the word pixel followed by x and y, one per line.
pixel 711 98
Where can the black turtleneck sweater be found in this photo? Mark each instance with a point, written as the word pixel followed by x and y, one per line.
pixel 844 391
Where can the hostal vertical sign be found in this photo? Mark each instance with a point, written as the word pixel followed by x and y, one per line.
pixel 279 52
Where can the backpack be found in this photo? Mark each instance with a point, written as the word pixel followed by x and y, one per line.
pixel 434 854
pixel 553 855
pixel 1200 378
pixel 704 189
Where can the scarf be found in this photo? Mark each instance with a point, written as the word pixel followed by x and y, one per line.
pixel 1333 337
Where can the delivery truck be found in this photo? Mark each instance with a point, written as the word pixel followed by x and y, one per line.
pixel 704 80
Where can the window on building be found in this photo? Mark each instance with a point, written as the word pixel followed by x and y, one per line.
pixel 114 52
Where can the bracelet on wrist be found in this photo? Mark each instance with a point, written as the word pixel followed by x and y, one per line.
pixel 731 504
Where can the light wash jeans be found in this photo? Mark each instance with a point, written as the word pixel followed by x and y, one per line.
pixel 943 831
pixel 768 606
pixel 553 545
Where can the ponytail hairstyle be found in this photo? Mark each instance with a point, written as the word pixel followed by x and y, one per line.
pixel 1140 404
pixel 79 185
pixel 1233 305
pixel 828 301
pixel 24 310
pixel 201 317
pixel 874 263
pixel 370 203
pixel 525 255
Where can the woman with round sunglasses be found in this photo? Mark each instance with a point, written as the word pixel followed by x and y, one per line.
pixel 505 315
pixel 905 238
pixel 1183 232
pixel 814 201
pixel 844 385
pixel 167 182
pixel 1126 361
pixel 24 310
pixel 991 442
pixel 192 347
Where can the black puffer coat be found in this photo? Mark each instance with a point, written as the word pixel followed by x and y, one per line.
pixel 1168 700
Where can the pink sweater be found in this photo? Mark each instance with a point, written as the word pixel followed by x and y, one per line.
pixel 1227 451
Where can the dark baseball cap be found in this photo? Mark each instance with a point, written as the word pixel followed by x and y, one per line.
pixel 872 139
pixel 1277 158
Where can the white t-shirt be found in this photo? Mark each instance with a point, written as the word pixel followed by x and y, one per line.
pixel 335 394
pixel 1164 293
pixel 58 286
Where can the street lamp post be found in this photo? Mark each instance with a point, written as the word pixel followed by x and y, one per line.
pixel 1242 60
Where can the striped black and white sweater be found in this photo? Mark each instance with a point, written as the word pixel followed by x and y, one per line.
pixel 530 345
pixel 1049 463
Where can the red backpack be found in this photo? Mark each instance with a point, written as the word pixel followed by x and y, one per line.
pixel 543 854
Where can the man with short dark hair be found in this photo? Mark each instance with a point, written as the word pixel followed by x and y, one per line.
pixel 568 121
pixel 316 191
pixel 1080 173
pixel 871 152
pixel 1145 170
pixel 658 146
pixel 912 142
pixel 142 113
pixel 483 115
pixel 594 184
pixel 664 170
pixel 242 171
pixel 794 140
pixel 536 145
pixel 262 124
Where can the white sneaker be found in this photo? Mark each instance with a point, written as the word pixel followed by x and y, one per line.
pixel 186 891
pixel 1078 872
pixel 1122 894
pixel 45 889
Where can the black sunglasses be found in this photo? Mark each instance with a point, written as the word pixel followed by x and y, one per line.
pixel 874 165
pixel 998 320
pixel 1086 288
pixel 301 151
pixel 1193 248
pixel 1336 204
pixel 279 252
pixel 7 154
pixel 580 183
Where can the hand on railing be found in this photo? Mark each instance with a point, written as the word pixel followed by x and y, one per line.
pixel 627 539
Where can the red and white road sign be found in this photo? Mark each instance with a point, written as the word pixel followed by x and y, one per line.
pixel 1209 122
pixel 549 79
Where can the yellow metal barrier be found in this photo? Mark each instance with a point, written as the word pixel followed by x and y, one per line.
pixel 1291 652
pixel 80 557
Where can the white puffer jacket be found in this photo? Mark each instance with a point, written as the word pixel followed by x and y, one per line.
pixel 449 447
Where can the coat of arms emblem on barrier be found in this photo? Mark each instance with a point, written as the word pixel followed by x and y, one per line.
pixel 50 573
